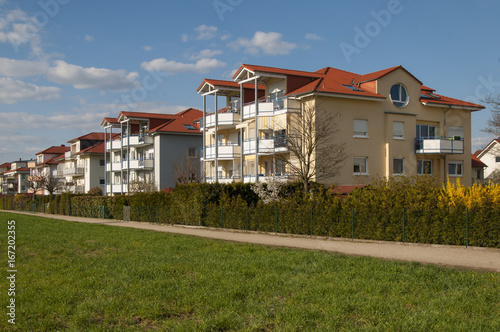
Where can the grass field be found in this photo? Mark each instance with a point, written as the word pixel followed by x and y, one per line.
pixel 82 277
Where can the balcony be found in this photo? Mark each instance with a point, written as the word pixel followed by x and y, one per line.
pixel 267 177
pixel 439 145
pixel 133 140
pixel 117 166
pixel 136 164
pixel 269 108
pixel 223 179
pixel 117 188
pixel 266 145
pixel 224 151
pixel 76 171
pixel 224 119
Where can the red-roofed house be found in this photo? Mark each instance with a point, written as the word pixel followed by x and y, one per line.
pixel 14 178
pixel 147 146
pixel 82 166
pixel 490 156
pixel 46 164
pixel 389 122
pixel 477 169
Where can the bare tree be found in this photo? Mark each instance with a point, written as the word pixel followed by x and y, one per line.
pixel 494 122
pixel 35 183
pixel 143 186
pixel 314 152
pixel 50 183
pixel 187 170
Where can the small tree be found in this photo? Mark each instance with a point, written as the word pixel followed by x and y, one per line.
pixel 143 186
pixel 187 170
pixel 314 153
pixel 35 184
pixel 50 183
pixel 494 122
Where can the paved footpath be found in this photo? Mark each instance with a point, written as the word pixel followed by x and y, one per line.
pixel 484 259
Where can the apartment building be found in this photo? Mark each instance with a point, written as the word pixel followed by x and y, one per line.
pixel 146 146
pixel 45 165
pixel 82 166
pixel 14 178
pixel 389 123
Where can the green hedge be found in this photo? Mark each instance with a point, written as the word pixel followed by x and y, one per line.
pixel 399 209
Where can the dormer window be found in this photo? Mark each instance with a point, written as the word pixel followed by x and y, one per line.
pixel 399 96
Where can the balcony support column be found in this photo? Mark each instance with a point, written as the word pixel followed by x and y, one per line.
pixel 204 166
pixel 216 139
pixel 256 129
pixel 242 98
pixel 121 158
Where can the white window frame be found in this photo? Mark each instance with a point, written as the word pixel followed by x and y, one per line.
pixel 399 103
pixel 360 128
pixel 422 161
pixel 459 165
pixel 398 130
pixel 402 166
pixel 359 161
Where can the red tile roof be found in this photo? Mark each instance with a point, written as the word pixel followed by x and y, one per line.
pixel 229 84
pixel 94 149
pixel 477 163
pixel 52 161
pixel 5 165
pixel 272 70
pixel 54 150
pixel 94 136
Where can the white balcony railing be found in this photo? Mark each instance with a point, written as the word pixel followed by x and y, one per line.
pixel 441 145
pixel 266 145
pixel 133 140
pixel 251 178
pixel 74 171
pixel 224 151
pixel 223 119
pixel 271 107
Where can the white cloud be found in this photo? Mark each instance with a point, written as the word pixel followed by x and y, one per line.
pixel 201 66
pixel 267 43
pixel 91 78
pixel 89 38
pixel 206 54
pixel 313 36
pixel 147 48
pixel 17 28
pixel 205 32
pixel 14 91
pixel 22 68
pixel 185 37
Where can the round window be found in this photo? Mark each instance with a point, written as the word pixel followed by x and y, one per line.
pixel 399 96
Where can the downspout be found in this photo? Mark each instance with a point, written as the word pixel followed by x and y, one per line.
pixel 445 135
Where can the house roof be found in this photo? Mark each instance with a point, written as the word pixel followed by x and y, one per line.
pixel 476 162
pixel 18 170
pixel 54 150
pixel 53 161
pixel 94 136
pixel 228 84
pixel 335 81
pixel 5 165
pixel 481 153
pixel 94 149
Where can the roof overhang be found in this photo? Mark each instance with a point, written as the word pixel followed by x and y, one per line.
pixel 339 95
pixel 470 108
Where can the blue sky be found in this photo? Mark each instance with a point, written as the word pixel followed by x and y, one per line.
pixel 65 64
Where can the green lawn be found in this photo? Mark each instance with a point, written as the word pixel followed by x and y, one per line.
pixel 83 277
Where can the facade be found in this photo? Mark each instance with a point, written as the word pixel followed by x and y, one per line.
pixel 478 168
pixel 45 165
pixel 388 122
pixel 82 166
pixel 146 146
pixel 14 180
pixel 490 156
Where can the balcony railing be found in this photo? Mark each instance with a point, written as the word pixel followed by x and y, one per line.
pixel 266 145
pixel 133 140
pixel 271 107
pixel 74 171
pixel 224 151
pixel 223 119
pixel 266 177
pixel 439 145
pixel 223 179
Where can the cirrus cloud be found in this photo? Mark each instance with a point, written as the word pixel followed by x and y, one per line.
pixel 173 67
pixel 91 78
pixel 268 43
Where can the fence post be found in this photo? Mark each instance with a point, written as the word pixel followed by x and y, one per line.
pixel 467 228
pixel 352 224
pixel 247 218
pixel 404 226
pixel 311 221
pixel 222 216
pixel 276 219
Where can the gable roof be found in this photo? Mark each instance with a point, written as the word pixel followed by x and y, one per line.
pixel 227 84
pixel 94 149
pixel 488 147
pixel 381 73
pixel 94 136
pixel 476 162
pixel 54 150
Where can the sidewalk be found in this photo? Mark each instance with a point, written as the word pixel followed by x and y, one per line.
pixel 475 258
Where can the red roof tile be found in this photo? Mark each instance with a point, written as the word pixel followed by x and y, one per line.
pixel 94 136
pixel 94 149
pixel 54 150
pixel 476 162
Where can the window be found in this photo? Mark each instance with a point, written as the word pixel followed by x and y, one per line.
pixel 189 127
pixel 101 181
pixel 360 165
pixel 399 96
pixel 455 168
pixel 360 128
pixel 426 131
pixel 398 130
pixel 497 159
pixel 424 167
pixel 101 162
pixel 192 152
pixel 456 131
pixel 398 166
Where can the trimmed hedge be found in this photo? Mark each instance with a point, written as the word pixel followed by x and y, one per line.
pixel 405 209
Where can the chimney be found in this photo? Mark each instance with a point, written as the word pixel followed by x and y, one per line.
pixel 19 159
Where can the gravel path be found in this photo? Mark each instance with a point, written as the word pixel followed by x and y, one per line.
pixel 484 259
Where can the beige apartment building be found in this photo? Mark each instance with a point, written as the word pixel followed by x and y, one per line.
pixel 389 123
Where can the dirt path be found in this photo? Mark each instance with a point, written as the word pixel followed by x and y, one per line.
pixel 451 256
